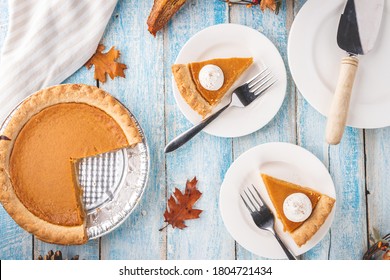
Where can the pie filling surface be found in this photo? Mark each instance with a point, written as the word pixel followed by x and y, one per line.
pixel 197 97
pixel 278 190
pixel 42 158
pixel 232 69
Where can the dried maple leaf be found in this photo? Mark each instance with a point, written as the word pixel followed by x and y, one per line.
pixel 105 63
pixel 180 206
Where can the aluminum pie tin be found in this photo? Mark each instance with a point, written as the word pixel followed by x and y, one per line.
pixel 112 183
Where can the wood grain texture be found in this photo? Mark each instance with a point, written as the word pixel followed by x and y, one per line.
pixel 346 239
pixel 16 244
pixel 282 127
pixel 142 91
pixel 310 135
pixel 147 92
pixel 347 170
pixel 206 157
pixel 378 180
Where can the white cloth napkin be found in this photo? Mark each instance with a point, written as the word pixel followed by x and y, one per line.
pixel 47 41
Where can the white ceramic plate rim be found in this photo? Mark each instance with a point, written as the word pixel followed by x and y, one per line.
pixel 313 48
pixel 229 40
pixel 280 160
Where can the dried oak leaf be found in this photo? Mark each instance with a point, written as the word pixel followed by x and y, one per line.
pixel 105 63
pixel 270 4
pixel 180 205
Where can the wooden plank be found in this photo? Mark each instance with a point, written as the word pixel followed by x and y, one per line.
pixel 349 230
pixel 15 242
pixel 346 239
pixel 142 91
pixel 282 127
pixel 310 136
pixel 378 180
pixel 206 157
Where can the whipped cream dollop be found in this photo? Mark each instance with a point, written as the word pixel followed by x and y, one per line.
pixel 211 77
pixel 297 207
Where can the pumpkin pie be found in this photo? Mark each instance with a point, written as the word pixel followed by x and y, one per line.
pixel 201 99
pixel 49 132
pixel 321 206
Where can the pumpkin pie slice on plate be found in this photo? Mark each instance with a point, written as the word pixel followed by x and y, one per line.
pixel 203 84
pixel 301 210
pixel 49 132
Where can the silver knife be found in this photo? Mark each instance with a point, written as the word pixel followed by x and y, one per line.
pixel 357 32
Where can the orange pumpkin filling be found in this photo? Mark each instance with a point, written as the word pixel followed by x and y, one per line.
pixel 41 162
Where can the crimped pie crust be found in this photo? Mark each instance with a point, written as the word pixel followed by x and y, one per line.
pixel 306 231
pixel 320 213
pixel 200 99
pixel 187 88
pixel 68 93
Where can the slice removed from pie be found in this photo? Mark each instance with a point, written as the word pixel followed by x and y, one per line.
pixel 201 99
pixel 49 132
pixel 321 206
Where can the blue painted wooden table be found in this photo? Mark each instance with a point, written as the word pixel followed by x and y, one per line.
pixel 358 165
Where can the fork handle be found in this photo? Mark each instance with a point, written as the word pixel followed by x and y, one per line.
pixel 287 251
pixel 190 133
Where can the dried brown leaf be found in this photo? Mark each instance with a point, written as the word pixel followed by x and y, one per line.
pixel 105 63
pixel 180 205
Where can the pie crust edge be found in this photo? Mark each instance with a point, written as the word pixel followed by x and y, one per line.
pixel 317 218
pixel 310 227
pixel 66 93
pixel 188 90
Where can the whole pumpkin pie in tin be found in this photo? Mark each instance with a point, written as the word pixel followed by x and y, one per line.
pixel 49 132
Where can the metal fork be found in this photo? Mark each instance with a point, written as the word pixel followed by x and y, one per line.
pixel 241 97
pixel 378 248
pixel 263 217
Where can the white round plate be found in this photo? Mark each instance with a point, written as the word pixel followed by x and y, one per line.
pixel 233 40
pixel 314 59
pixel 281 160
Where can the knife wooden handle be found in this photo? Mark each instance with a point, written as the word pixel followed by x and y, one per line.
pixel 338 113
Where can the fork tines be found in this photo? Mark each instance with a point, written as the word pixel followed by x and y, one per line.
pixel 256 203
pixel 261 82
pixel 386 237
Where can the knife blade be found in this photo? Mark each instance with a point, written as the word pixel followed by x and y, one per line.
pixel 357 33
